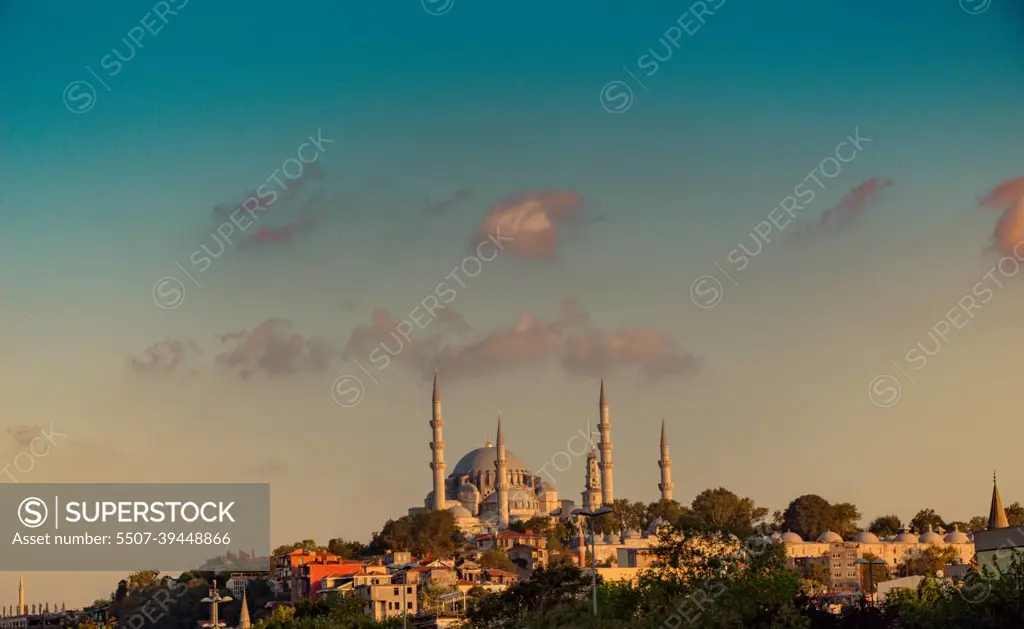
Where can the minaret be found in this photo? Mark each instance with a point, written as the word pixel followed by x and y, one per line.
pixel 996 513
pixel 665 463
pixel 243 621
pixel 501 471
pixel 605 427
pixel 21 597
pixel 437 446
pixel 592 487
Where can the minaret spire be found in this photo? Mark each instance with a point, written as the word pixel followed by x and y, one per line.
pixel 996 513
pixel 606 465
pixel 501 471
pixel 243 621
pixel 437 464
pixel 21 596
pixel 665 463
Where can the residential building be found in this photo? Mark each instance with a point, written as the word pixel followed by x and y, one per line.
pixel 385 601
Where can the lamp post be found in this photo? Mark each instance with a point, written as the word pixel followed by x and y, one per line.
pixel 590 515
pixel 878 561
pixel 215 599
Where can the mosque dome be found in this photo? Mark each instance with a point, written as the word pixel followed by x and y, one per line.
pixel 630 534
pixel 483 460
pixel 828 537
pixel 955 536
pixel 469 493
pixel 545 488
pixel 790 537
pixel 930 537
pixel 905 537
pixel 458 511
pixel 866 537
pixel 656 524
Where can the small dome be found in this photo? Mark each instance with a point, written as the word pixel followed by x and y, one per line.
pixel 458 511
pixel 790 537
pixel 905 537
pixel 545 488
pixel 930 537
pixel 631 534
pixel 955 536
pixel 469 493
pixel 866 537
pixel 656 524
pixel 828 537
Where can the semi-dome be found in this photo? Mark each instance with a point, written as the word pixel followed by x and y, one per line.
pixel 955 536
pixel 905 537
pixel 789 537
pixel 468 493
pixel 866 537
pixel 828 537
pixel 930 537
pixel 483 460
pixel 458 511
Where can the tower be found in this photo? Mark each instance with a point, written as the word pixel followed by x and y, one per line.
pixel 606 465
pixel 501 471
pixel 21 597
pixel 437 446
pixel 592 487
pixel 243 620
pixel 996 513
pixel 665 463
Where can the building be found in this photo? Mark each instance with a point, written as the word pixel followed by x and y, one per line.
pixel 386 601
pixel 490 487
pixel 1000 543
pixel 34 616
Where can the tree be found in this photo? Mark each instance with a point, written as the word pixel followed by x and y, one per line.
pixel 496 558
pixel 810 515
pixel 932 560
pixel 879 573
pixel 885 525
pixel 668 510
pixel 816 572
pixel 977 523
pixel 427 533
pixel 346 550
pixel 723 510
pixel 926 518
pixel 1015 514
pixel 142 581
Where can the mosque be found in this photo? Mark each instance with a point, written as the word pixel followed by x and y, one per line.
pixel 490 487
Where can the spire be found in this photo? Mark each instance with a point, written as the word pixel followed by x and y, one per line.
pixel 501 437
pixel 604 399
pixel 665 463
pixel 996 514
pixel 244 622
pixel 664 439
pixel 437 394
pixel 22 610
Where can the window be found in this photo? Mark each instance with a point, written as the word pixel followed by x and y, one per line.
pixel 408 590
pixel 409 605
pixel 396 591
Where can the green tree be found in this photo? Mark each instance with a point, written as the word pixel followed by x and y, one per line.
pixel 495 558
pixel 346 550
pixel 932 560
pixel 142 581
pixel 723 510
pixel 885 525
pixel 977 523
pixel 816 572
pixel 879 573
pixel 926 518
pixel 810 515
pixel 427 533
pixel 1015 514
pixel 668 510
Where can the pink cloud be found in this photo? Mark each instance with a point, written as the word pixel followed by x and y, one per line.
pixel 272 348
pixel 413 341
pixel 532 220
pixel 1005 195
pixel 170 356
pixel 1009 231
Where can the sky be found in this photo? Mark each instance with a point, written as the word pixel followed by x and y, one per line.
pixel 590 174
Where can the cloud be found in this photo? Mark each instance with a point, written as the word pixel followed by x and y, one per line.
pixel 1005 195
pixel 385 338
pixel 164 357
pixel 272 349
pixel 844 213
pixel 532 220
pixel 1009 231
pixel 279 235
pixel 23 435
pixel 436 209
pixel 582 348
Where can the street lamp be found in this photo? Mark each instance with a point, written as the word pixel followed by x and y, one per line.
pixel 878 561
pixel 590 515
pixel 215 599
